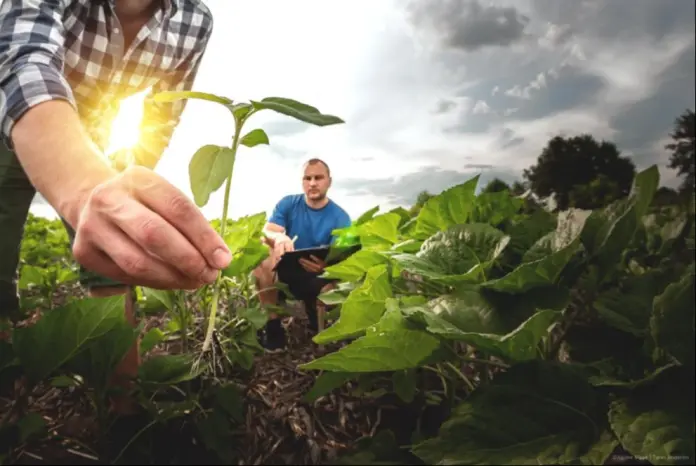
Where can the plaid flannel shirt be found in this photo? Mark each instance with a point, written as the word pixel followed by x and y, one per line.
pixel 73 50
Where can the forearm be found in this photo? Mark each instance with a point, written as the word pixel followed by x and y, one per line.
pixel 59 158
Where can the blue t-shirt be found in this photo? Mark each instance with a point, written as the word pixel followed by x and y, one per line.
pixel 313 227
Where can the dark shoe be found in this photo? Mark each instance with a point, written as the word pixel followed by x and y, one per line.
pixel 274 339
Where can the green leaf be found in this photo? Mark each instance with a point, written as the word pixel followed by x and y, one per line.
pixel 254 138
pixel 451 207
pixel 643 189
pixel 405 384
pixel 255 316
pixel 62 333
pixel 519 345
pixel 157 299
pixel 495 208
pixel 363 307
pixel 628 305
pixel 101 356
pixel 168 369
pixel 30 425
pixel 380 232
pixel 151 339
pixel 537 412
pixel 367 215
pixel 354 267
pixel 297 110
pixel 543 272
pixel 210 166
pixel 462 249
pixel 421 267
pixel 172 96
pixel 241 111
pixel 31 276
pixel 657 422
pixel 672 320
pixel 246 259
pixel 390 345
pixel 325 384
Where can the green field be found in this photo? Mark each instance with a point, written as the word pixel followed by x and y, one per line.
pixel 478 330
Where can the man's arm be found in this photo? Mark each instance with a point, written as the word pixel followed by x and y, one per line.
pixel 135 227
pixel 275 229
pixel 37 109
pixel 160 119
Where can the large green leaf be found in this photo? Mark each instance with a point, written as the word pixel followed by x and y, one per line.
pixel 59 335
pixel 390 345
pixel 628 305
pixel 210 166
pixel 168 369
pixel 297 110
pixel 537 412
pixel 607 232
pixel 96 363
pixel 355 267
pixel 367 215
pixel 363 308
pixel 462 248
pixel 495 208
pixel 519 345
pixel 471 308
pixel 672 320
pixel 380 232
pixel 656 421
pixel 451 207
pixel 543 272
pixel 412 264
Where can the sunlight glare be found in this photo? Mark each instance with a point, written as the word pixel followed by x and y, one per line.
pixel 125 129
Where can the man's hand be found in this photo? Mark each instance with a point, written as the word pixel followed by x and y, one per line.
pixel 315 265
pixel 280 243
pixel 140 230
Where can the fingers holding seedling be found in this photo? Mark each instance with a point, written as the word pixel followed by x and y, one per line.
pixel 140 230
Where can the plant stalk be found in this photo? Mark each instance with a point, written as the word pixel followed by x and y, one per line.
pixel 223 224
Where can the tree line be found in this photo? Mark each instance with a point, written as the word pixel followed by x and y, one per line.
pixel 585 173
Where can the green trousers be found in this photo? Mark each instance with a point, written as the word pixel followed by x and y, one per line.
pixel 16 195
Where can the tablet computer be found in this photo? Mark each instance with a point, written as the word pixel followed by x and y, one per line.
pixel 290 261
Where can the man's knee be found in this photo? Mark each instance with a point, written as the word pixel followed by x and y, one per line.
pixel 264 271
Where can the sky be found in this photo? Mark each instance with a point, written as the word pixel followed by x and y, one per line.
pixel 432 92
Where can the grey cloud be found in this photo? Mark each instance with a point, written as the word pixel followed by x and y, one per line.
pixel 610 19
pixel 478 166
pixel 645 122
pixel 405 190
pixel 468 25
pixel 444 106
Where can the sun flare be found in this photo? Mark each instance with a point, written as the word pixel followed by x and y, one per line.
pixel 125 129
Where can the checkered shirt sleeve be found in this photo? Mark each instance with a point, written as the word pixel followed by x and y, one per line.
pixel 31 38
pixel 69 50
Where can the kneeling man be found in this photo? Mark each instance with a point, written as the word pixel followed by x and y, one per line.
pixel 299 221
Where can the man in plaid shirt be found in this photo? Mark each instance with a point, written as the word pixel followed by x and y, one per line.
pixel 64 65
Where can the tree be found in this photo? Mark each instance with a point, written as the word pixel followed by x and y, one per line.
pixel 422 198
pixel 567 165
pixel 496 185
pixel 682 148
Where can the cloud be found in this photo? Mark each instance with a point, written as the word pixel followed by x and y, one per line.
pixel 467 24
pixel 434 92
